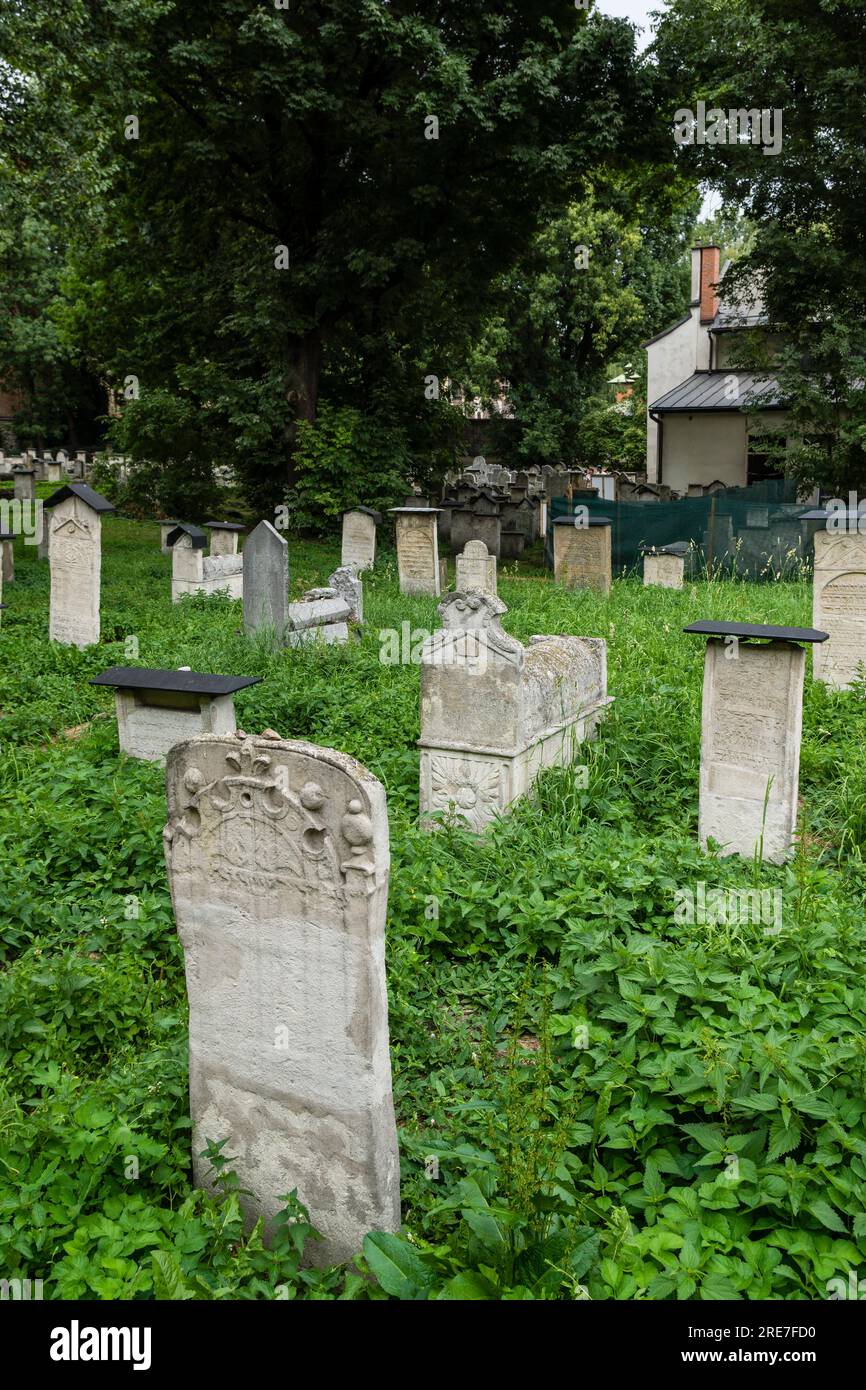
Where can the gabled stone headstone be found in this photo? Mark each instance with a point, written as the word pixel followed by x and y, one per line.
pixel 75 557
pixel 266 581
pixel 277 856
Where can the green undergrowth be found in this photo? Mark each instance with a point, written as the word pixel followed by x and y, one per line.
pixel 595 1099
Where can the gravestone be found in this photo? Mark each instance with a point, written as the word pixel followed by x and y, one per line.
pixel 359 538
pixel 193 572
pixel 53 470
pixel 511 543
pixel 320 615
pixel 479 520
pixel 157 709
pixel 75 558
pixel 665 567
pixel 24 481
pixel 223 537
pixel 494 713
pixel 839 604
pixel 347 584
pixel 750 736
pixel 277 857
pixel 266 581
pixel 7 561
pixel 165 529
pixel 582 553
pixel 476 569
pixel 417 549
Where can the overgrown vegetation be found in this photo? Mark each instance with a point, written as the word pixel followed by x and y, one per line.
pixel 619 1104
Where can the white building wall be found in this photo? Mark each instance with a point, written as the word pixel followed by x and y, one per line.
pixel 670 361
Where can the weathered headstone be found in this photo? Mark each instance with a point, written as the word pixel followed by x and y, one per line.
pixel 839 604
pixel 347 584
pixel 476 570
pixel 359 538
pixel 417 549
pixel 665 567
pixel 193 572
pixel 277 856
pixel 320 615
pixel 53 470
pixel 75 557
pixel 157 709
pixel 7 562
pixel 582 552
pixel 24 481
pixel 165 529
pixel 224 537
pixel 494 713
pixel 266 581
pixel 750 736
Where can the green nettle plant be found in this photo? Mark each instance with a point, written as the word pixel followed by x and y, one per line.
pixel 595 1098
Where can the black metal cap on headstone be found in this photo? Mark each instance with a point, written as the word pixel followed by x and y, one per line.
pixel 583 521
pixel 678 548
pixel 94 500
pixel 224 526
pixel 7 535
pixel 766 630
pixel 183 682
pixel 185 528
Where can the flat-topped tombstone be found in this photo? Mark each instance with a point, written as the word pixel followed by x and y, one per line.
pixel 157 709
pixel 665 566
pixel 750 736
pixel 54 469
pixel 24 482
pixel 839 600
pixel 320 615
pixel 278 861
pixel 476 569
pixel 417 549
pixel 75 558
pixel 266 581
pixel 224 537
pixel 359 538
pixel 582 552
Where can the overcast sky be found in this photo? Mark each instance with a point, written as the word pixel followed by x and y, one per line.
pixel 636 10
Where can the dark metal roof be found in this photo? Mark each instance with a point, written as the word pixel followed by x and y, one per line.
pixel 186 682
pixel 585 521
pixel 368 511
pixel 779 634
pixel 185 528
pixel 707 391
pixel 224 526
pixel 93 499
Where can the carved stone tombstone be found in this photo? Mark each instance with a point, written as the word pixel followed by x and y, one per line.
pixel 359 538
pixel 75 558
pixel 665 567
pixel 839 603
pixel 278 861
pixel 223 537
pixel 266 581
pixel 417 550
pixel 476 570
pixel 751 724
pixel 582 552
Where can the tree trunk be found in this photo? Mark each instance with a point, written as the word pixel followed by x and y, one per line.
pixel 302 389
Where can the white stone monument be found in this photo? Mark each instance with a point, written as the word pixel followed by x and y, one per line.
pixel 839 602
pixel 277 856
pixel 224 536
pixel 193 572
pixel 476 569
pixel 157 709
pixel 75 558
pixel 665 566
pixel 359 538
pixel 750 736
pixel 495 713
pixel 418 550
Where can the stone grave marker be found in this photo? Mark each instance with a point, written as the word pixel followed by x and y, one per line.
pixel 665 566
pixel 75 558
pixel 24 482
pixel 347 584
pixel 266 581
pixel 7 560
pixel 359 538
pixel 417 549
pixel 839 603
pixel 476 569
pixel 751 723
pixel 157 709
pixel 224 537
pixel 582 553
pixel 277 857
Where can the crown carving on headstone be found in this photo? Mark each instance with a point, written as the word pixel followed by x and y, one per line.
pixel 479 614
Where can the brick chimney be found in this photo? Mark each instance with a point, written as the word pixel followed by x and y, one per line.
pixel 710 256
